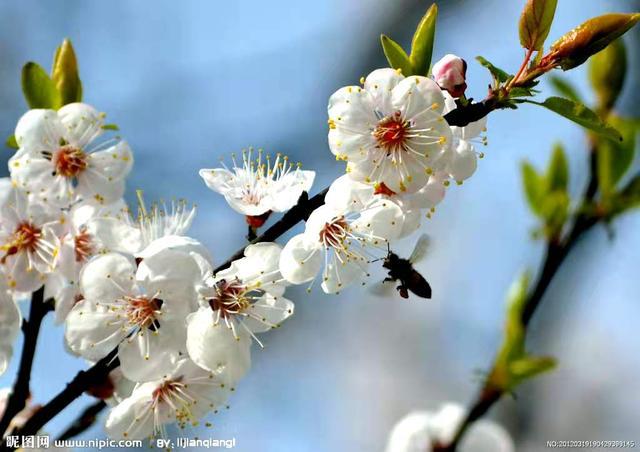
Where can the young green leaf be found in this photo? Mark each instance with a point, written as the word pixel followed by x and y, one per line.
pixel 588 38
pixel 534 188
pixel 396 56
pixel 39 90
pixel 565 88
pixel 110 127
pixel 535 23
pixel 498 74
pixel 615 157
pixel 65 74
pixel 580 114
pixel 422 42
pixel 558 170
pixel 11 142
pixel 607 71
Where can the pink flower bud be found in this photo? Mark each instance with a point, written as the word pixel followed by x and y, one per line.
pixel 449 73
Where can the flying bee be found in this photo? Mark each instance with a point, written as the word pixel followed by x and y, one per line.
pixel 401 269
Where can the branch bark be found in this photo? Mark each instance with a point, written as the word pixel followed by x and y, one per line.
pixel 20 393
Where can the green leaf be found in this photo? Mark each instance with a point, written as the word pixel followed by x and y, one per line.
pixel 588 38
pixel 615 157
pixel 396 56
pixel 65 74
pixel 558 170
pixel 607 70
pixel 580 114
pixel 110 127
pixel 11 142
pixel 498 74
pixel 39 90
pixel 535 23
pixel 534 187
pixel 565 88
pixel 422 42
pixel 530 366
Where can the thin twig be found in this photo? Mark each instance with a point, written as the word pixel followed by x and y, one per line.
pixel 555 254
pixel 31 329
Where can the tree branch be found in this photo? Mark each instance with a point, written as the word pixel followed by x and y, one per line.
pixel 555 254
pixel 20 393
pixel 82 381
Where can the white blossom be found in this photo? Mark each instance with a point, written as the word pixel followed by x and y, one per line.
pixel 338 238
pixel 29 241
pixel 184 397
pixel 235 304
pixel 461 157
pixel 58 160
pixel 140 309
pixel 261 186
pixel 390 131
pixel 420 430
pixel 10 323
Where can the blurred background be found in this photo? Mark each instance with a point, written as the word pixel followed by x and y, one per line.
pixel 189 82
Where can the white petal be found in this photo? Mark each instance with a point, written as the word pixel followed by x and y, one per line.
pixel 113 163
pixel 338 276
pixel 352 118
pixel 411 433
pixel 106 278
pixel 416 96
pixel 92 330
pixel 149 355
pixel 217 179
pixel 127 420
pixel 379 84
pixel 300 260
pixel 111 234
pixel 287 190
pixel 178 243
pixel 171 275
pixel 348 195
pixel 214 347
pixel 382 220
pixel 82 122
pixel 10 322
pixel 463 163
pixel 267 313
pixel 39 130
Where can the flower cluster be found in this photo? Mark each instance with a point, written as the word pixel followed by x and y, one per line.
pixel 138 285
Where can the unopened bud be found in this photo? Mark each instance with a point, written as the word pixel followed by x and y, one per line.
pixel 587 39
pixel 450 74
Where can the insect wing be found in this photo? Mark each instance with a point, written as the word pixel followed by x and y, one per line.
pixel 420 250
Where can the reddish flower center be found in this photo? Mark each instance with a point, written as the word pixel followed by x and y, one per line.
pixel 83 246
pixel 142 311
pixel 166 391
pixel 382 189
pixel 334 233
pixel 391 133
pixel 69 161
pixel 230 298
pixel 25 238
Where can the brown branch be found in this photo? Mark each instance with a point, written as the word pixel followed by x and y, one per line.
pixel 31 329
pixel 82 381
pixel 84 421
